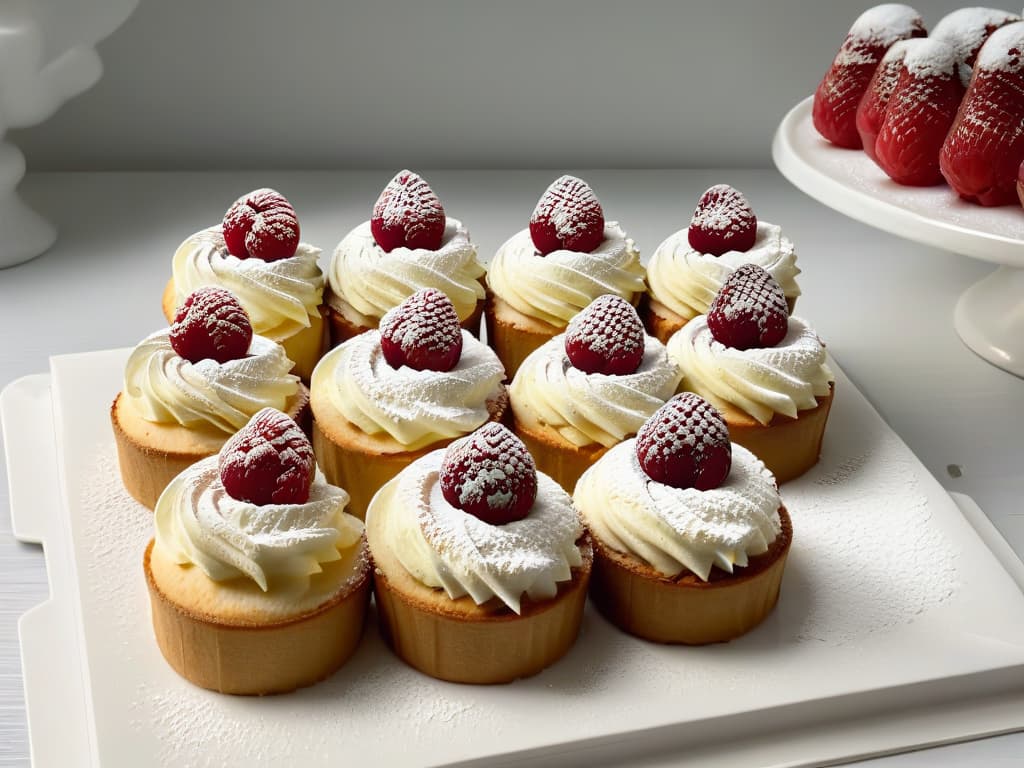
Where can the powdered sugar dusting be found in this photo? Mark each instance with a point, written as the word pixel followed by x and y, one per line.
pixel 1004 50
pixel 884 24
pixel 723 210
pixel 569 204
pixel 928 57
pixel 966 29
pixel 408 204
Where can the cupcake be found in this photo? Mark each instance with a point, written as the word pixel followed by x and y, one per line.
pixel 589 388
pixel 765 371
pixel 386 397
pixel 189 387
pixel 542 276
pixel 407 245
pixel 255 253
pixel 258 579
pixel 690 536
pixel 687 269
pixel 481 563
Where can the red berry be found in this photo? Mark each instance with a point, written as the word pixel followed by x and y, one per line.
pixel 606 337
pixel 723 221
pixel 211 324
pixel 422 332
pixel 489 474
pixel 408 215
pixel 568 216
pixel 685 444
pixel 749 310
pixel 268 461
pixel 261 225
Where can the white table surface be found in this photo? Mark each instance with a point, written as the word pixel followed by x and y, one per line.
pixel 883 305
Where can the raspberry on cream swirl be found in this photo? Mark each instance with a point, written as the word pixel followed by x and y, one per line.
pixel 199 523
pixel 416 408
pixel 548 392
pixel 677 529
pixel 167 388
pixel 279 296
pixel 685 281
pixel 783 379
pixel 371 280
pixel 443 547
pixel 554 287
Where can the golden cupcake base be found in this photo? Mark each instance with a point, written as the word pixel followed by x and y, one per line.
pixel 685 610
pixel 556 456
pixel 513 335
pixel 253 654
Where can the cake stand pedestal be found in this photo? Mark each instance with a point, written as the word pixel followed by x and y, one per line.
pixel 989 317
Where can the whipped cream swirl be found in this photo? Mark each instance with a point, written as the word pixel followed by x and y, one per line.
pixel 443 547
pixel 587 408
pixel 280 296
pixel 686 281
pixel 416 408
pixel 198 523
pixel 553 288
pixel 677 529
pixel 166 388
pixel 372 281
pixel 785 379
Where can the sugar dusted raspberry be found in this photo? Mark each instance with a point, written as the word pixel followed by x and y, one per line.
pixel 422 332
pixel 749 310
pixel 268 461
pixel 685 444
pixel 568 216
pixel 606 337
pixel 489 474
pixel 408 215
pixel 211 324
pixel 722 222
pixel 261 225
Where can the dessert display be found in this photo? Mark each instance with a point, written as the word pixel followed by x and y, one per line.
pixel 689 267
pixel 189 387
pixel 583 391
pixel 407 245
pixel 690 536
pixel 764 371
pixel 985 147
pixel 389 396
pixel 840 91
pixel 481 562
pixel 544 274
pixel 258 579
pixel 256 254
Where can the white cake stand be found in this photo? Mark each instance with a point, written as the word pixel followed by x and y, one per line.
pixel 989 316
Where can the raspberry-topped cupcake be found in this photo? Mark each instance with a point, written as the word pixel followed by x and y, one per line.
pixel 690 535
pixel 258 579
pixel 481 563
pixel 388 396
pixel 765 371
pixel 689 267
pixel 544 274
pixel 407 245
pixel 256 254
pixel 189 387
pixel 587 389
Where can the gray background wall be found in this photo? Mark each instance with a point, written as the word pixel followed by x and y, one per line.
pixel 197 84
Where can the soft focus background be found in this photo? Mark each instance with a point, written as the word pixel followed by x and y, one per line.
pixel 309 84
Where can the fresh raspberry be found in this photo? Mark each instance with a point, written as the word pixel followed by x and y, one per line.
pixel 723 221
pixel 211 324
pixel 685 444
pixel 422 332
pixel 749 310
pixel 261 225
pixel 606 337
pixel 489 474
pixel 408 215
pixel 268 461
pixel 568 216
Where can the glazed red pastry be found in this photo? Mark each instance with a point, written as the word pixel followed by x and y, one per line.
pixel 840 91
pixel 919 114
pixel 982 154
pixel 871 110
